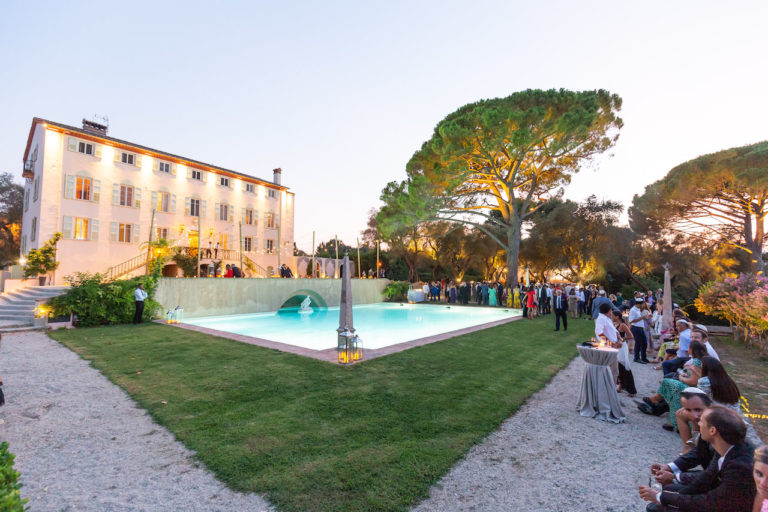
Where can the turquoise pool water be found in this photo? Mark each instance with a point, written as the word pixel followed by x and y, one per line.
pixel 378 325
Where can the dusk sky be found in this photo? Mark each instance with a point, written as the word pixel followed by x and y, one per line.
pixel 340 94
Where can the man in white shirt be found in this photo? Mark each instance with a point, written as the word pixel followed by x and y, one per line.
pixel 637 326
pixel 140 296
pixel 684 330
pixel 604 324
pixel 582 301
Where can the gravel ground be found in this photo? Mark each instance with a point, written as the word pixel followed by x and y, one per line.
pixel 549 458
pixel 82 444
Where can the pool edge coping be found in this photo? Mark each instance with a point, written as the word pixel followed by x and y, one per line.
pixel 330 355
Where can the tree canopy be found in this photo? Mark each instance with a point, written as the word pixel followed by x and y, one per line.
pixel 721 197
pixel 493 163
pixel 11 205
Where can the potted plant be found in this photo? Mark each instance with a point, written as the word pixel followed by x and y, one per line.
pixel 43 260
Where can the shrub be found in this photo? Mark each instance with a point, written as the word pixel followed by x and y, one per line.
pixel 96 302
pixel 187 263
pixel 10 499
pixel 43 260
pixel 397 291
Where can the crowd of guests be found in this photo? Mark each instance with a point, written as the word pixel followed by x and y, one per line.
pixel 698 400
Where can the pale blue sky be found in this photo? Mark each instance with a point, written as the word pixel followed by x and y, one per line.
pixel 340 94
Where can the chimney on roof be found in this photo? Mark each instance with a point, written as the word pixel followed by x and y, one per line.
pixel 93 127
pixel 276 175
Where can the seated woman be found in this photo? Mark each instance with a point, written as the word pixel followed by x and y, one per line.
pixel 626 379
pixel 722 390
pixel 669 390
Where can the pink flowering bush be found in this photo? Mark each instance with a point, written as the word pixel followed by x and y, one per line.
pixel 742 301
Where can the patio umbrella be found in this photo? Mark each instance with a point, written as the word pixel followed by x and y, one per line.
pixel 666 319
pixel 345 303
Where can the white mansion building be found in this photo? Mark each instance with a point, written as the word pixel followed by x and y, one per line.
pixel 108 197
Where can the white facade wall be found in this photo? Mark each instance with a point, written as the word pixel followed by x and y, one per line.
pixel 56 171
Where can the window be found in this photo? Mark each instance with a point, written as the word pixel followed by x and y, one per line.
pixel 270 220
pixel 164 167
pixel 33 232
pixel 250 187
pixel 194 207
pixel 26 200
pixel 269 246
pixel 223 211
pixel 197 175
pixel 81 228
pixel 248 216
pixel 161 233
pixel 23 244
pixel 223 181
pixel 85 148
pixel 223 239
pixel 37 188
pixel 128 158
pixel 248 244
pixel 83 188
pixel 163 202
pixel 124 233
pixel 126 195
pixel 272 193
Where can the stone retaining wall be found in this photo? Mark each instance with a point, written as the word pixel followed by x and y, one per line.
pixel 211 297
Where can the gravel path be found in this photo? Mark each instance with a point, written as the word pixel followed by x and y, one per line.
pixel 82 444
pixel 548 458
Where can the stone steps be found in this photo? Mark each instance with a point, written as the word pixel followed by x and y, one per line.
pixel 17 308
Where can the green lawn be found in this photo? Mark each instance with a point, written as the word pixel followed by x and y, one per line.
pixel 314 436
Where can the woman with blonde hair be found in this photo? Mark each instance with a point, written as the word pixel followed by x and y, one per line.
pixel 760 474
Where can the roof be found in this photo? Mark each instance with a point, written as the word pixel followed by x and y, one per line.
pixel 89 135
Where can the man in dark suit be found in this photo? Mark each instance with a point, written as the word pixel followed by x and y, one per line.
pixel 679 473
pixel 727 482
pixel 561 308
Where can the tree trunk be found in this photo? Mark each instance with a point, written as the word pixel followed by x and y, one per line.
pixel 513 251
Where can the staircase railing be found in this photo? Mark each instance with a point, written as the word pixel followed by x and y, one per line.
pixel 125 267
pixel 135 263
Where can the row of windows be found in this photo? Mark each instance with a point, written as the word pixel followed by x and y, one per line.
pixel 82 228
pixel 87 189
pixel 160 166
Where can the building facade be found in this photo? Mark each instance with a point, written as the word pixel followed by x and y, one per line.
pixel 108 197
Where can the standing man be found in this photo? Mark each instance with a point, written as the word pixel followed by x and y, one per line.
pixel 561 306
pixel 140 296
pixel 216 250
pixel 636 325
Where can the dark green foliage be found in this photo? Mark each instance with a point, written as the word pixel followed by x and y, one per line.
pixel 10 500
pixel 11 206
pixel 315 436
pixel 397 291
pixel 43 260
pixel 96 302
pixel 187 263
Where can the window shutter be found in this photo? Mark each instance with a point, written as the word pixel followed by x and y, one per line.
pixel 69 189
pixel 173 169
pixel 202 208
pixel 231 212
pixel 244 185
pixel 94 225
pixel 173 203
pixel 115 193
pixel 113 229
pixel 136 233
pixel 217 212
pixel 155 165
pixel 67 226
pixel 189 173
pixel 277 220
pixel 137 198
pixel 187 206
pixel 242 217
pixel 137 161
pixel 255 218
pixel 96 195
pixel 97 151
pixel 118 155
pixel 72 145
pixel 154 199
pixel 266 243
pixel 204 176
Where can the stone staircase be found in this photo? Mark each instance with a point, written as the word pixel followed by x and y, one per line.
pixel 17 309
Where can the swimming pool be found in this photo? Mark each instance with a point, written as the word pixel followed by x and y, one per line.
pixel 378 325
